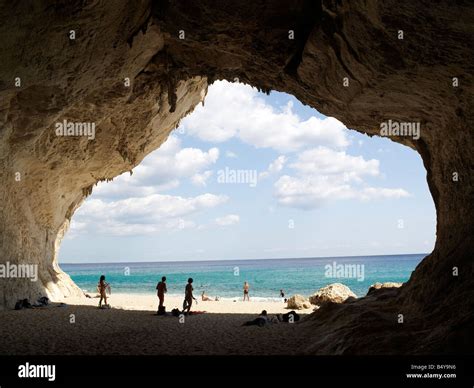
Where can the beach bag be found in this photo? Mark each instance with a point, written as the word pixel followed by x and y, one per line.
pixel 44 301
pixel 286 317
pixel 23 304
pixel 175 312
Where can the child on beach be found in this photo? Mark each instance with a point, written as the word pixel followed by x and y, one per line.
pixel 246 291
pixel 102 288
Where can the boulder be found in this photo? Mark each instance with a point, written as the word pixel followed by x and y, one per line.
pixel 333 293
pixel 298 302
pixel 378 286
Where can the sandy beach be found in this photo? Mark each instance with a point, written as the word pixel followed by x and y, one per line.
pixel 131 327
pixel 149 302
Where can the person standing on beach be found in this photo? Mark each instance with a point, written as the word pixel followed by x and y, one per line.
pixel 162 290
pixel 188 296
pixel 103 287
pixel 246 291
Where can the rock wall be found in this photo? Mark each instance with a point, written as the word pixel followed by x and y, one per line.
pixel 45 177
pixel 170 51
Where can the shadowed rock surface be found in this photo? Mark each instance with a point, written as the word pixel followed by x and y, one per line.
pixel 83 80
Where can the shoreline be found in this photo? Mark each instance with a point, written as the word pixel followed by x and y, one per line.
pixel 197 295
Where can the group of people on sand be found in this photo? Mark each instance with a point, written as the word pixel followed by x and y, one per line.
pixel 263 319
pixel 103 288
pixel 188 295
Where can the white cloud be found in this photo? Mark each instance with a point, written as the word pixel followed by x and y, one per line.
pixel 322 174
pixel 76 228
pixel 124 187
pixel 230 219
pixel 231 154
pixel 382 193
pixel 146 214
pixel 275 167
pixel 201 179
pixel 236 110
pixel 162 170
pixel 324 161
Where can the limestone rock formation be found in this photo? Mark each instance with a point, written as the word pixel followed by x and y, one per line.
pixel 332 293
pixel 380 286
pixel 298 302
pixel 130 70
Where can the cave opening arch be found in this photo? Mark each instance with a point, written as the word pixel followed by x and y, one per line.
pixel 347 176
pixel 389 79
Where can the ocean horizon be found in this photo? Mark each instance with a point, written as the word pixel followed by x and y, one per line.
pixel 225 278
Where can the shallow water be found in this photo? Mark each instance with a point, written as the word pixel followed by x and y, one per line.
pixel 266 277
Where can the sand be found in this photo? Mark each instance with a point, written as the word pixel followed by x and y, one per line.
pixel 149 302
pixel 131 327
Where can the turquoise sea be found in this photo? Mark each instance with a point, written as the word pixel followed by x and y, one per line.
pixel 225 278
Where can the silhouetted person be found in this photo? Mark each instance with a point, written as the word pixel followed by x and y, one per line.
pixel 161 291
pixel 188 296
pixel 261 320
pixel 102 287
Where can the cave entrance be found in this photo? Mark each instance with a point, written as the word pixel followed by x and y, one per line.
pixel 348 59
pixel 246 177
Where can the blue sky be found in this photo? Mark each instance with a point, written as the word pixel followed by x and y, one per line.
pixel 305 186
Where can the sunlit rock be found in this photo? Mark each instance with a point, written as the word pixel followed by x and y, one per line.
pixel 333 293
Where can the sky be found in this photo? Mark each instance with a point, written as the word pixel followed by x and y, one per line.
pixel 249 176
